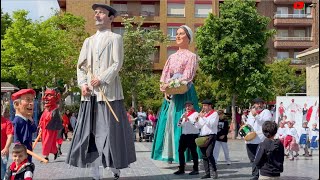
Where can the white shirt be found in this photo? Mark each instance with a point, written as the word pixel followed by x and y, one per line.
pixel 314 132
pixel 208 125
pixel 305 131
pixel 281 133
pixel 293 132
pixel 187 124
pixel 256 123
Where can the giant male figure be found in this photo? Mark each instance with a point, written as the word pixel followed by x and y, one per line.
pixel 102 138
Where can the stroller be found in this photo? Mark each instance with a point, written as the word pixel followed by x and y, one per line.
pixel 148 131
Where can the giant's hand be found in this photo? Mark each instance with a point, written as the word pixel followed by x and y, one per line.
pixel 95 82
pixel 85 90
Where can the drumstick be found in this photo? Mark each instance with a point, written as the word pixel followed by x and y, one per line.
pixel 36 141
pixel 37 156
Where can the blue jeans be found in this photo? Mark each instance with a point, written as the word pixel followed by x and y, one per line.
pixel 3 168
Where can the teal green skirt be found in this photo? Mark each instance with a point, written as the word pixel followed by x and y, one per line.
pixel 167 134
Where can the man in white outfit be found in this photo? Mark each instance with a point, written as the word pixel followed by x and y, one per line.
pixel 257 116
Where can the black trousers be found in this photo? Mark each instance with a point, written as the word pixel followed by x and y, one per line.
pixel 252 150
pixel 207 154
pixel 188 141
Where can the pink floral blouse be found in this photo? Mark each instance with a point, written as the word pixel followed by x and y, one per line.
pixel 183 62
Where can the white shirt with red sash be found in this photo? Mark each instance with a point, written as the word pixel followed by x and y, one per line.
pixel 187 123
pixel 208 124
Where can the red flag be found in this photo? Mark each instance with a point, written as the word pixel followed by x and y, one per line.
pixel 298 5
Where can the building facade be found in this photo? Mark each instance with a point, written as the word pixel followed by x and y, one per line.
pixel 297 29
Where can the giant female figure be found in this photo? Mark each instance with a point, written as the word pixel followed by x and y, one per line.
pixel 181 65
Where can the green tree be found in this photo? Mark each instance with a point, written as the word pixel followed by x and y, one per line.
pixel 42 53
pixel 139 44
pixel 5 23
pixel 233 47
pixel 284 78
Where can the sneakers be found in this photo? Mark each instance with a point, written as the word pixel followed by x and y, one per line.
pixel 228 162
pixel 116 176
pixel 194 172
pixel 215 175
pixel 179 172
pixel 206 176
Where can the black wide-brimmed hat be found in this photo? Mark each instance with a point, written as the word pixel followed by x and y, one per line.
pixel 207 101
pixel 188 102
pixel 109 8
pixel 258 100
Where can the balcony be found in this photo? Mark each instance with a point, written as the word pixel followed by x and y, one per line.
pixel 290 1
pixel 292 42
pixel 292 19
pixel 298 62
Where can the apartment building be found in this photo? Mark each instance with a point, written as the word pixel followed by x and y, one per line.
pixel 297 29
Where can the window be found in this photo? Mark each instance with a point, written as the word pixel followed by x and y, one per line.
pixel 295 55
pixel 202 10
pixel 282 33
pixel 121 8
pixel 282 11
pixel 170 51
pixel 118 30
pixel 154 57
pixel 172 32
pixel 299 33
pixel 175 10
pixel 282 55
pixel 299 13
pixel 147 10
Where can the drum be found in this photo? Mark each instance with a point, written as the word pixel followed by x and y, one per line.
pixel 246 131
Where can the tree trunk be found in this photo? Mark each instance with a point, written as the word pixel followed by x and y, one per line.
pixel 233 112
pixel 133 98
pixel 29 84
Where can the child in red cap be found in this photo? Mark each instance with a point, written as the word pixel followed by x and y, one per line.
pixel 23 123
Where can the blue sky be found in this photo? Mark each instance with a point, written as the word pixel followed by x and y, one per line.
pixel 36 8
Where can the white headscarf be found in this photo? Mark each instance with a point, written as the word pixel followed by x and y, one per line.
pixel 189 32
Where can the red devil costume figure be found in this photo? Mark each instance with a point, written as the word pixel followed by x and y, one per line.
pixel 50 123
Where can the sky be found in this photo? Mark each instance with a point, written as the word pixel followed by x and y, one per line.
pixel 36 8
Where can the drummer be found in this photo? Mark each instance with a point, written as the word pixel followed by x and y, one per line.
pixel 257 116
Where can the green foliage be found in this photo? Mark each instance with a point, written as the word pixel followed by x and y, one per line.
pixel 232 49
pixel 42 53
pixel 6 22
pixel 74 108
pixel 284 78
pixel 139 44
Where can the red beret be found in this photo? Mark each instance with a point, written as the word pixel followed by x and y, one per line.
pixel 18 94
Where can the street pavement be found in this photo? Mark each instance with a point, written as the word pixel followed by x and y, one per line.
pixel 304 168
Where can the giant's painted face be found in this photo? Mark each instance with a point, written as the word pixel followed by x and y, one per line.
pixel 25 105
pixel 50 98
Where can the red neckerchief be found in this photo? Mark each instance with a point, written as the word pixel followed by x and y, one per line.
pixel 13 165
pixel 191 112
pixel 209 113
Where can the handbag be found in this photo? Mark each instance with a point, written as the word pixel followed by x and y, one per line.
pixel 203 141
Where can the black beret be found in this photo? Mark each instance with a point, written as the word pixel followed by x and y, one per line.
pixel 207 101
pixel 258 100
pixel 109 8
pixel 188 102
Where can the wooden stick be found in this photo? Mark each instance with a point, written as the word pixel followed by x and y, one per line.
pixel 37 156
pixel 36 141
pixel 104 97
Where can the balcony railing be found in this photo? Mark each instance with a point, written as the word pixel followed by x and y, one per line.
pixel 293 38
pixel 293 61
pixel 292 16
pixel 201 15
pixel 175 15
pixel 123 13
pixel 147 14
